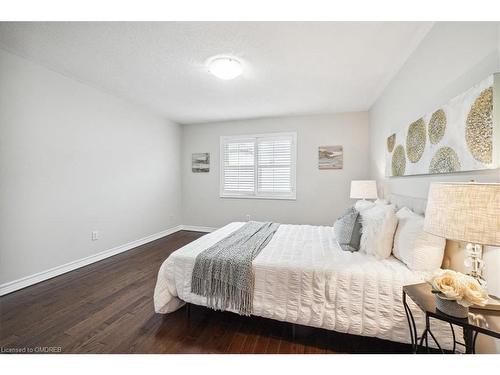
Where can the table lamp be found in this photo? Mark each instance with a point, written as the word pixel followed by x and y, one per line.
pixel 467 212
pixel 364 189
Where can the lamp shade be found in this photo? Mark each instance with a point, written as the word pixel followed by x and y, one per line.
pixel 364 189
pixel 468 212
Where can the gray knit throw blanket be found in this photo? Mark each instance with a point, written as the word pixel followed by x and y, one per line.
pixel 223 273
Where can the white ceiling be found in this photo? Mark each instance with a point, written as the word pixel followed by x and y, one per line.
pixel 291 68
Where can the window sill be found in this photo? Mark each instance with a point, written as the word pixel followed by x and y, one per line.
pixel 266 197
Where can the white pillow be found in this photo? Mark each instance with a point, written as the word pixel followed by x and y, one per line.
pixel 378 225
pixel 363 205
pixel 419 250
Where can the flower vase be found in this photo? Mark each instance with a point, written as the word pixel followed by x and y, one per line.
pixel 451 307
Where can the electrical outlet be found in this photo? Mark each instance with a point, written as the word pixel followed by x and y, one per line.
pixel 95 235
pixel 248 217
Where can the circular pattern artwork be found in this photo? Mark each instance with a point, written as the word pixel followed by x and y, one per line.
pixel 479 127
pixel 415 140
pixel 437 126
pixel 399 161
pixel 445 160
pixel 391 141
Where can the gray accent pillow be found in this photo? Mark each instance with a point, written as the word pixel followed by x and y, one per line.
pixel 347 230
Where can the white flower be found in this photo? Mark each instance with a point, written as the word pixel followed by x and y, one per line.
pixel 474 294
pixel 448 283
pixel 456 286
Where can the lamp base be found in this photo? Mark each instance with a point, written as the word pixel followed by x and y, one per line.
pixel 475 263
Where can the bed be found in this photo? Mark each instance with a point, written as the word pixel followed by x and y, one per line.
pixel 303 277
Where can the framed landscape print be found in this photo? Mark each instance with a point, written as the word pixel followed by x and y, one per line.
pixel 330 157
pixel 461 135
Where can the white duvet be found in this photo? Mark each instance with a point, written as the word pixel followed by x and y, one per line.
pixel 302 276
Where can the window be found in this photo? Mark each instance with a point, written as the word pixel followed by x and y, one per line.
pixel 258 166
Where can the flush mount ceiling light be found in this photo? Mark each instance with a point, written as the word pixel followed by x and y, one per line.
pixel 225 67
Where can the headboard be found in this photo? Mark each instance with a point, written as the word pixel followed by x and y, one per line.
pixel 453 252
pixel 417 205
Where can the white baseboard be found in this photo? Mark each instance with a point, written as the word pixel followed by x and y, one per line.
pixel 196 228
pixel 21 283
pixel 59 270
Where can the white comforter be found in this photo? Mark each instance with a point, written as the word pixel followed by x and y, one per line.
pixel 303 277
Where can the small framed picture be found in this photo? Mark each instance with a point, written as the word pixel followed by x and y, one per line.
pixel 200 162
pixel 330 157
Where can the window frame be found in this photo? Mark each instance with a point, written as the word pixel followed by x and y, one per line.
pixel 255 194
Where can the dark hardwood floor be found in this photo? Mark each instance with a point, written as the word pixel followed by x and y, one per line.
pixel 107 307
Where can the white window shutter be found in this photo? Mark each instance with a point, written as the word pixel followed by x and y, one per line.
pixel 259 166
pixel 274 165
pixel 239 166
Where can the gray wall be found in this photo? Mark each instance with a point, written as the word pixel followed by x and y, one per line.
pixel 321 195
pixel 451 58
pixel 72 160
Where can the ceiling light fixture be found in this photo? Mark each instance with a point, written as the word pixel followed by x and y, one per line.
pixel 225 67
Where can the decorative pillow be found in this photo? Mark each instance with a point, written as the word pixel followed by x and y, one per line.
pixel 347 230
pixel 377 233
pixel 419 250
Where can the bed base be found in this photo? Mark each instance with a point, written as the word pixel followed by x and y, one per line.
pixel 293 332
pixel 188 315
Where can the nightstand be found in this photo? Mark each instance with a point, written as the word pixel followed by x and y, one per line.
pixel 479 321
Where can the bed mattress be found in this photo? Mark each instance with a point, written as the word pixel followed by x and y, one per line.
pixel 302 276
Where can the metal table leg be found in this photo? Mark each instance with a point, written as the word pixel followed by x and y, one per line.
pixel 454 338
pixel 474 342
pixel 427 330
pixel 437 343
pixel 411 325
pixel 470 340
pixel 424 337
